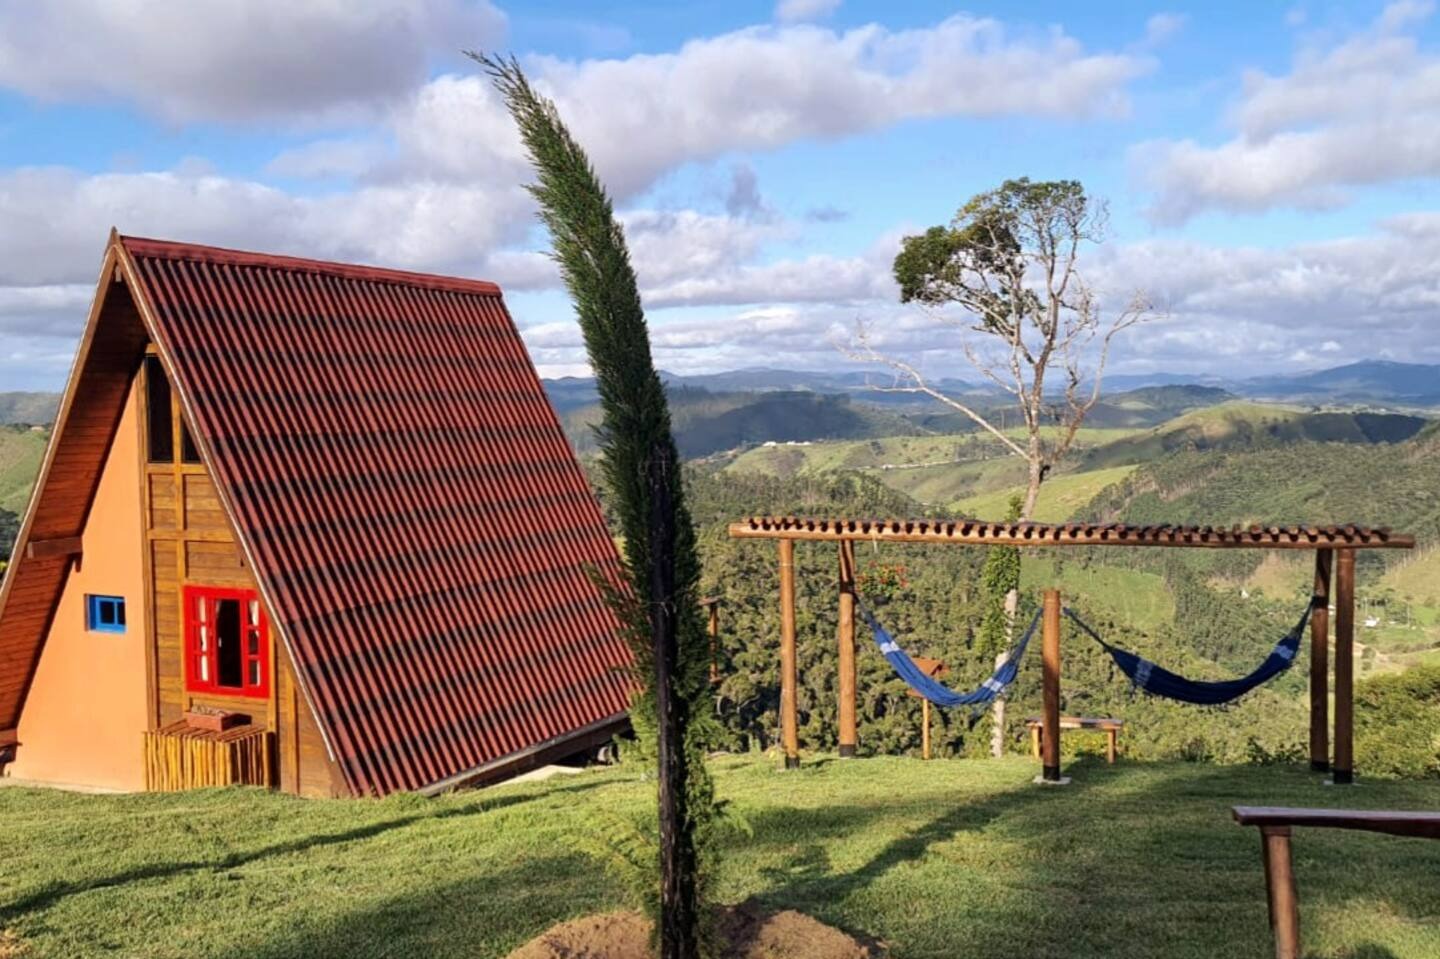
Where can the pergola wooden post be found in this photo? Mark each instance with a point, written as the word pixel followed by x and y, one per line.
pixel 1343 770
pixel 789 722
pixel 1337 543
pixel 846 641
pixel 1320 665
pixel 1050 687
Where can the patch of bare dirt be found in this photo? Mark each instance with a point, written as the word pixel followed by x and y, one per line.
pixel 744 932
pixel 11 945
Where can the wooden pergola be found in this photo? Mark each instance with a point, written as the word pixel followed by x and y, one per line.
pixel 1334 548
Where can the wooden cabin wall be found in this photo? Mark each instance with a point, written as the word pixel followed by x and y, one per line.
pixel 191 543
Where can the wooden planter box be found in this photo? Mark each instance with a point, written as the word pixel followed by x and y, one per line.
pixel 214 720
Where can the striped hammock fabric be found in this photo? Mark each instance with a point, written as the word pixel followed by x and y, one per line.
pixel 937 692
pixel 1159 681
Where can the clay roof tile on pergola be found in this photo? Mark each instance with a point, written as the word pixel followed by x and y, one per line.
pixel 979 533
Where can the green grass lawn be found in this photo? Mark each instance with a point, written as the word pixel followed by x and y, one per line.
pixel 949 858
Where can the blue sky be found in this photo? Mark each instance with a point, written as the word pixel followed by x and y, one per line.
pixel 1270 169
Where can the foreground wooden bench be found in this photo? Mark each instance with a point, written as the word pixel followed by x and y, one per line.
pixel 1110 727
pixel 1275 825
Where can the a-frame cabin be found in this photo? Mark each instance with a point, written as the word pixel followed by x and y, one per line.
pixel 328 507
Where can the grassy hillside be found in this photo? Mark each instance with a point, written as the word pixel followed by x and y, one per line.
pixel 1381 485
pixel 21 451
pixel 939 859
pixel 1244 425
pixel 1417 576
pixel 707 423
pixel 1060 497
pixel 897 453
pixel 28 408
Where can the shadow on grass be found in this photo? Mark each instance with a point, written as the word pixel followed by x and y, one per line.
pixel 1131 862
pixel 811 880
pixel 52 893
pixel 1109 869
pixel 482 915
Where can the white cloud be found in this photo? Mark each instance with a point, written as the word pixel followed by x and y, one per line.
pixel 797 11
pixel 1238 310
pixel 1362 112
pixel 766 87
pixel 1161 27
pixel 56 220
pixel 222 60
pixel 756 89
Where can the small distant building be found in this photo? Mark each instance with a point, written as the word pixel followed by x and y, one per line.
pixel 303 525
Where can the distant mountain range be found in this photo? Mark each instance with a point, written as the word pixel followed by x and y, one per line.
pixel 1370 382
pixel 1367 382
pixel 1375 380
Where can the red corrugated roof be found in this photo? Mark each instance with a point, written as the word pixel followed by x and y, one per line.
pixel 415 517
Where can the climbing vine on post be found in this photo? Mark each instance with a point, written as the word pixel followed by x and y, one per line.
pixel 660 610
pixel 1000 581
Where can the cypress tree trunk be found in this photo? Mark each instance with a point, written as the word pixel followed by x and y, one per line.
pixel 678 920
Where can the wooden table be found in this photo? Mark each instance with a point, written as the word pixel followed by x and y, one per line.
pixel 1110 727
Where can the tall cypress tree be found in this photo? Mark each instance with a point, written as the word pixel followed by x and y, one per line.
pixel 641 467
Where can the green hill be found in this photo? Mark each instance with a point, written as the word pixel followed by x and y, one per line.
pixel 29 409
pixel 1245 425
pixel 1390 484
pixel 706 423
pixel 21 451
pixel 1061 497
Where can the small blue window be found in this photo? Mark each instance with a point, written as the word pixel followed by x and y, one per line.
pixel 105 614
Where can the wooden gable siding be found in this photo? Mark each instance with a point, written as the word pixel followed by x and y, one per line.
pixel 192 542
pixel 89 415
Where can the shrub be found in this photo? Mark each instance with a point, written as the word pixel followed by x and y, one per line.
pixel 1397 717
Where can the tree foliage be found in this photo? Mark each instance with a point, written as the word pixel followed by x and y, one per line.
pixel 9 529
pixel 1397 732
pixel 1000 577
pixel 641 470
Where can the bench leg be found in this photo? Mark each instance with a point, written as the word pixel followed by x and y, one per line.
pixel 1280 886
pixel 1035 741
pixel 1111 747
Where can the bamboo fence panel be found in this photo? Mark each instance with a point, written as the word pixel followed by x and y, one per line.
pixel 179 756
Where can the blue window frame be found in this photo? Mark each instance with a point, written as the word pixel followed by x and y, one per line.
pixel 105 614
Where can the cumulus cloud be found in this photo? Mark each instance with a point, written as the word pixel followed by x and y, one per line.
pixel 644 116
pixel 1247 309
pixel 796 11
pixel 56 220
pixel 1161 27
pixel 221 60
pixel 648 114
pixel 1361 112
pixel 438 185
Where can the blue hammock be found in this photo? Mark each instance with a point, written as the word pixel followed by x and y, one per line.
pixel 937 693
pixel 1158 681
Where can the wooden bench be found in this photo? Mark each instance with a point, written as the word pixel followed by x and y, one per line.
pixel 1275 825
pixel 1110 727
